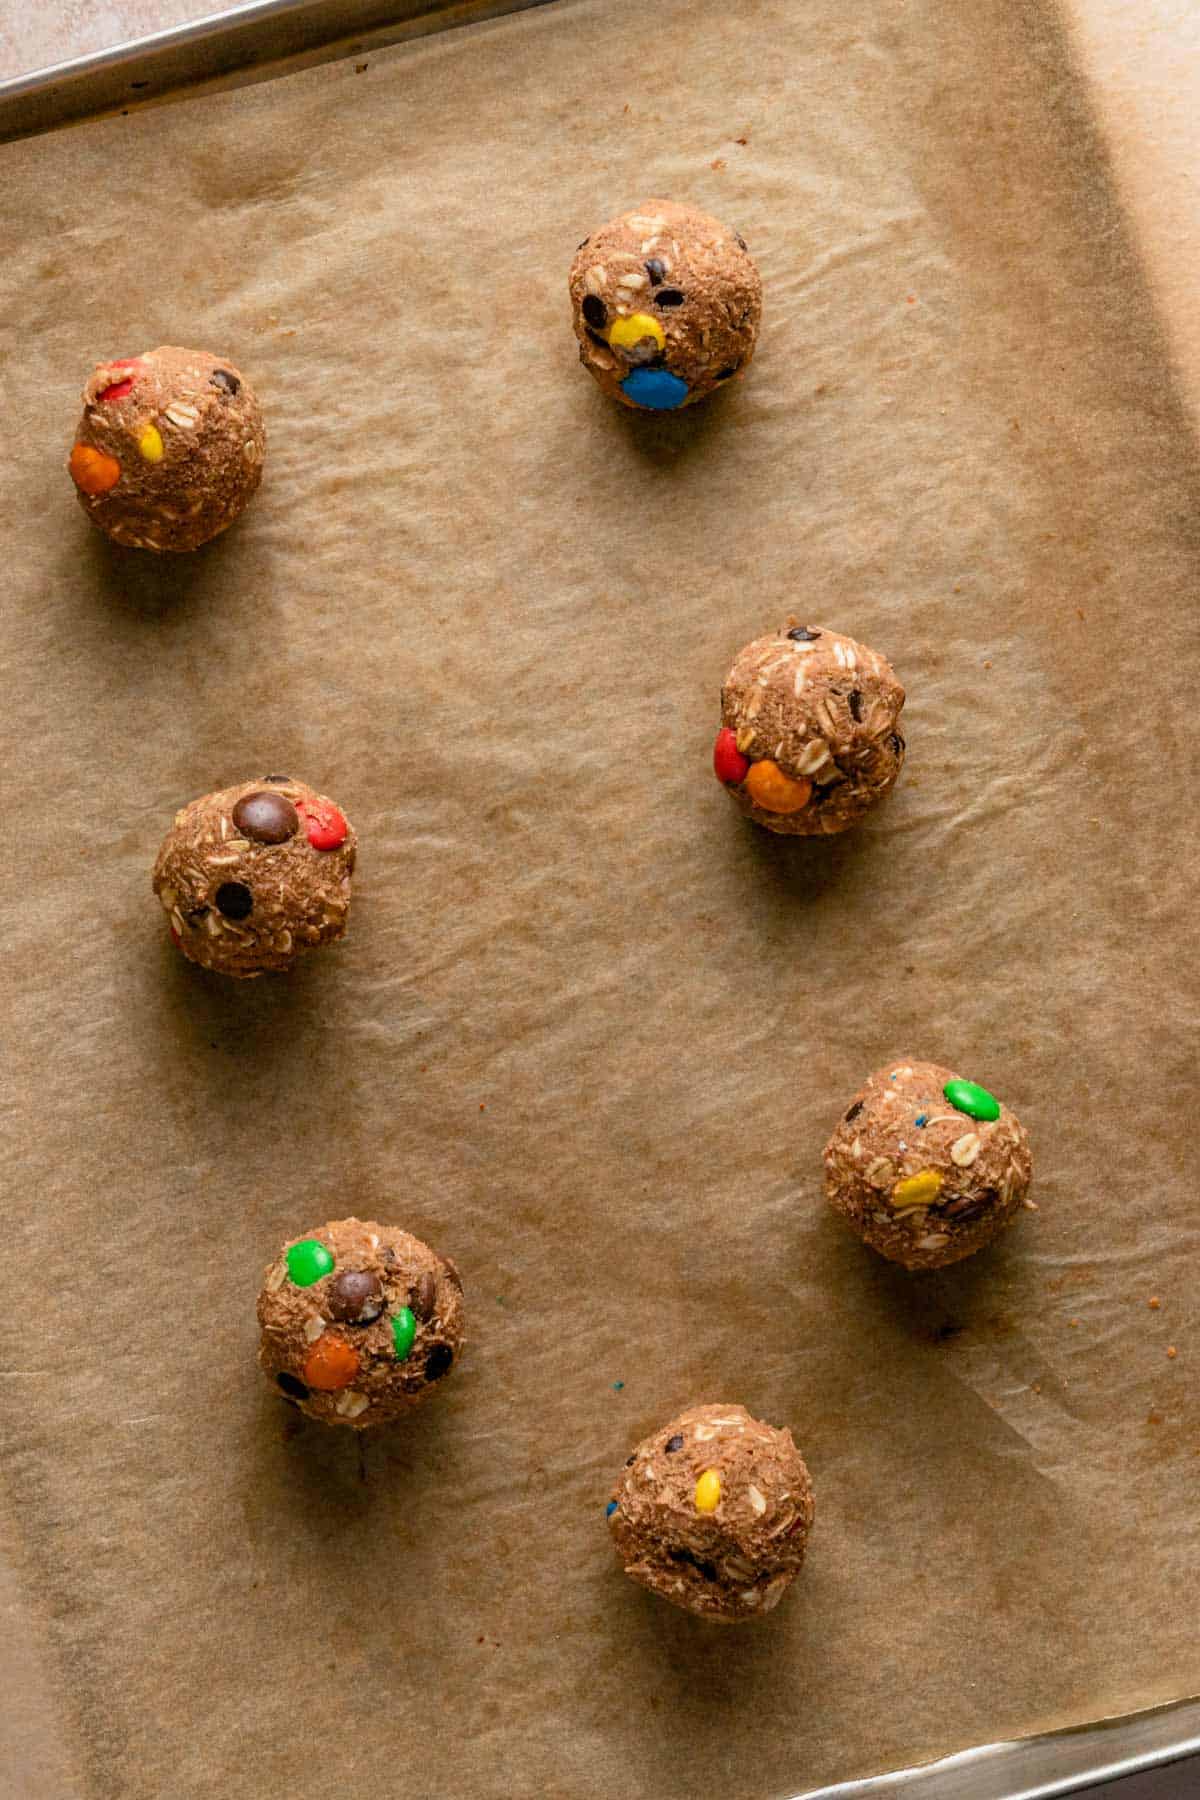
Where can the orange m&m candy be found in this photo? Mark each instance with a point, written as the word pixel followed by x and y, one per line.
pixel 770 788
pixel 332 1363
pixel 93 471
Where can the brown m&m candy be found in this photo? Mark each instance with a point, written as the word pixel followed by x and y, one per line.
pixel 355 1296
pixel 266 817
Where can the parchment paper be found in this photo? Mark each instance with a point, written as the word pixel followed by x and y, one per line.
pixel 589 1031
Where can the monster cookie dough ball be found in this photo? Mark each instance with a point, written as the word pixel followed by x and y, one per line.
pixel 926 1167
pixel 808 740
pixel 359 1321
pixel 713 1512
pixel 253 875
pixel 667 302
pixel 169 448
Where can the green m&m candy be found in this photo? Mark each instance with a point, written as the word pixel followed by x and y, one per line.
pixel 307 1261
pixel 968 1097
pixel 404 1330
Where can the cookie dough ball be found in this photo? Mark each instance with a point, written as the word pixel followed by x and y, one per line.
pixel 666 302
pixel 253 875
pixel 169 448
pixel 359 1321
pixel 926 1167
pixel 713 1512
pixel 808 740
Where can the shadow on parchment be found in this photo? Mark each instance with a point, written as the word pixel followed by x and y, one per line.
pixel 665 441
pixel 258 1011
pixel 804 868
pixel 925 1306
pixel 144 583
pixel 245 1049
pixel 310 1480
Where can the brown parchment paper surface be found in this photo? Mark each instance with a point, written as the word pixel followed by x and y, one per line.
pixel 589 1031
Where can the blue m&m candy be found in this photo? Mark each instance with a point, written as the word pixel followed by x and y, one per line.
pixel 657 389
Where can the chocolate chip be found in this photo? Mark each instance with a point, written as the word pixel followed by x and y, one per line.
pixel 438 1361
pixel 802 635
pixel 424 1296
pixel 295 1389
pixel 597 339
pixel 266 818
pixel 282 780
pixel 668 297
pixel 224 382
pixel 451 1268
pixel 355 1296
pixel 855 704
pixel 967 1207
pixel 741 240
pixel 674 1443
pixel 702 1568
pixel 897 743
pixel 656 271
pixel 629 1461
pixel 726 373
pixel 234 900
pixel 854 1111
pixel 595 311
pixel 584 245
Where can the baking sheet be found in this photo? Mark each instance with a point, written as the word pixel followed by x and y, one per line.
pixel 589 1031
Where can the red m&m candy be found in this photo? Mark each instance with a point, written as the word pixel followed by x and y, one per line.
pixel 117 390
pixel 323 822
pixel 729 764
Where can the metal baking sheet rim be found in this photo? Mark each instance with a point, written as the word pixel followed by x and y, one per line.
pixel 243 40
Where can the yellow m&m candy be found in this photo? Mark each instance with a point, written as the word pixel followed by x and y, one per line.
pixel 708 1492
pixel 918 1190
pixel 625 333
pixel 150 444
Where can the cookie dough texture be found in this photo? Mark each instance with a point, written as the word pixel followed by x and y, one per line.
pixel 666 303
pixel 256 874
pixel 713 1512
pixel 821 710
pixel 359 1320
pixel 919 1179
pixel 169 448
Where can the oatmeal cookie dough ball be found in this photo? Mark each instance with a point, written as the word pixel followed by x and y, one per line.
pixel 253 875
pixel 667 303
pixel 713 1512
pixel 808 741
pixel 359 1321
pixel 926 1167
pixel 169 448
